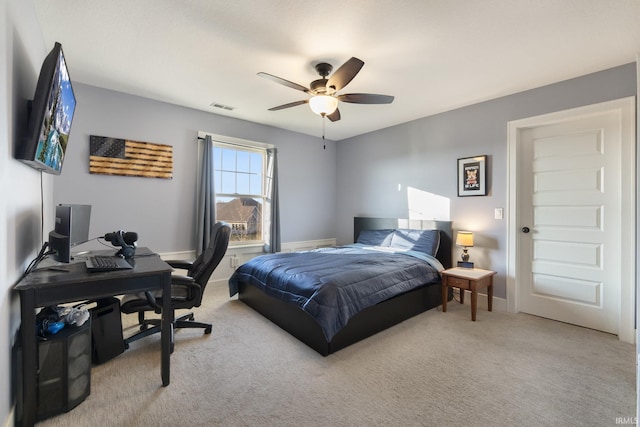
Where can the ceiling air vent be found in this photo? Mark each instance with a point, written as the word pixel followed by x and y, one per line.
pixel 222 106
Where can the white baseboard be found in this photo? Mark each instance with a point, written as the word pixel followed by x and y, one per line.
pixel 181 255
pixel 307 245
pixel 237 255
pixel 254 249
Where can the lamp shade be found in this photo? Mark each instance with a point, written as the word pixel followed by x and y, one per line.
pixel 323 104
pixel 464 238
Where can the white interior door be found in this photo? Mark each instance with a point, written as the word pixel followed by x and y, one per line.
pixel 574 217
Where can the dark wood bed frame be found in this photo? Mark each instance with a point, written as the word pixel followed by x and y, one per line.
pixel 370 320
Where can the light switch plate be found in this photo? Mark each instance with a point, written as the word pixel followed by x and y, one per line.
pixel 499 213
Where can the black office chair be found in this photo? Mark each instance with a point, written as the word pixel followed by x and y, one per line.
pixel 186 291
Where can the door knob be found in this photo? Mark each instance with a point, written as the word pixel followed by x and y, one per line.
pixel 525 229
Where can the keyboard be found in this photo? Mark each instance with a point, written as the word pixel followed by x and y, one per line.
pixel 96 263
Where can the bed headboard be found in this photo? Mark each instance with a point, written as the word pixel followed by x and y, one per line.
pixel 446 232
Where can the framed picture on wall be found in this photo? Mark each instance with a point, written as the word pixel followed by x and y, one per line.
pixel 472 176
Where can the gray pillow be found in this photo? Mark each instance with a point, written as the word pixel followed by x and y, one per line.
pixel 375 237
pixel 425 241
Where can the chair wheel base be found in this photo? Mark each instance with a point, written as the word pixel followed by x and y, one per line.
pixel 152 326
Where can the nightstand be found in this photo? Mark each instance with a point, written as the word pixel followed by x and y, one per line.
pixel 468 279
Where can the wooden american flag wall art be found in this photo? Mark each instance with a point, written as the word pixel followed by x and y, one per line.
pixel 113 156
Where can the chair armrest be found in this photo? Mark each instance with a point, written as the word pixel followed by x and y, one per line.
pixel 181 264
pixel 151 299
pixel 182 280
pixel 193 289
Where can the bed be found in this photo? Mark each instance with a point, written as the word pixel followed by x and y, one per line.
pixel 320 296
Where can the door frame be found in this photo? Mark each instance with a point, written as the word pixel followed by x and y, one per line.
pixel 628 253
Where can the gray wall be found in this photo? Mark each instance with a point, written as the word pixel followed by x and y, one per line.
pixel 25 193
pixel 162 211
pixel 321 190
pixel 423 154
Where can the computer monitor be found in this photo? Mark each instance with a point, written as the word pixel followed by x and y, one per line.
pixel 71 228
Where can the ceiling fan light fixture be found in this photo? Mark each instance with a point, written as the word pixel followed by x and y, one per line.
pixel 323 104
pixel 324 99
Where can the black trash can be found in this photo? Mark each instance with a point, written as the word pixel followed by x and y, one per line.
pixel 64 371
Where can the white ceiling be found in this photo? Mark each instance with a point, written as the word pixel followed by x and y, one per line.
pixel 432 55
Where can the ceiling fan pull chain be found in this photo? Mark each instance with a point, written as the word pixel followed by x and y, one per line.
pixel 324 146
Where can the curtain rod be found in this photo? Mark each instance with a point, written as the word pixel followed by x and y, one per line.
pixel 229 143
pixel 237 142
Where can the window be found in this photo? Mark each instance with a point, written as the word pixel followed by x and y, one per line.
pixel 239 175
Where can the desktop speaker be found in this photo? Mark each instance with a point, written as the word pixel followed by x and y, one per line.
pixel 60 244
pixel 64 370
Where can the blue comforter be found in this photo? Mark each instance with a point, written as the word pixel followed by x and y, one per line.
pixel 334 284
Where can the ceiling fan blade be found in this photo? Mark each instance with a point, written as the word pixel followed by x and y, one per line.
pixel 335 116
pixel 366 98
pixel 289 105
pixel 344 74
pixel 284 82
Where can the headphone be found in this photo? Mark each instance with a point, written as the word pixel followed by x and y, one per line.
pixel 126 241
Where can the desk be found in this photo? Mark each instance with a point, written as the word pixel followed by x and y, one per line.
pixel 42 288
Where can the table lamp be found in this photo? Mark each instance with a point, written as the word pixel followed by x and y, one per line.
pixel 465 239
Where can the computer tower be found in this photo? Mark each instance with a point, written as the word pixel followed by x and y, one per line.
pixel 64 370
pixel 106 330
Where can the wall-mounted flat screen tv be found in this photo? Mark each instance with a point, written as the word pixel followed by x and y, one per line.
pixel 50 117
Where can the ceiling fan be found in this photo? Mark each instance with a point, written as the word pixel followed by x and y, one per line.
pixel 324 98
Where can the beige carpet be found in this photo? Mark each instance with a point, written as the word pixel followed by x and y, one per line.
pixel 433 370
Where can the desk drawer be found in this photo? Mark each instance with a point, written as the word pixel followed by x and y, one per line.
pixel 457 282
